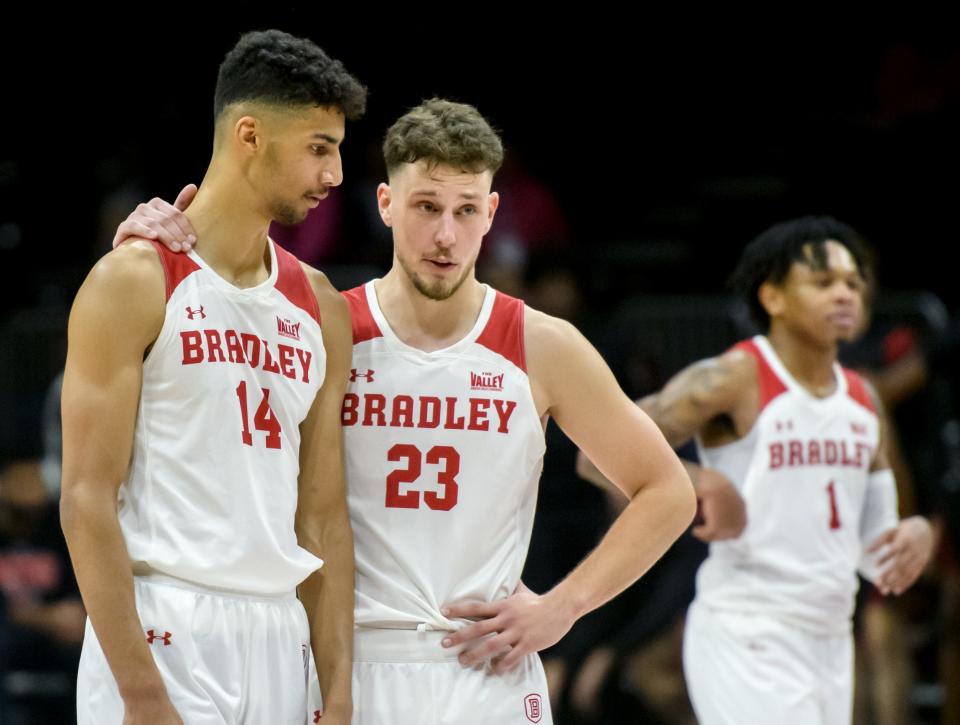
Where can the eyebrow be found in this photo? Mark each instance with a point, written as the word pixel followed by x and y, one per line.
pixel 326 137
pixel 427 192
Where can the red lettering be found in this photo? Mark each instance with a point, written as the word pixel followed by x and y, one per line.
pixel 214 351
pixel 452 423
pixel 286 361
pixel 845 460
pixel 251 348
pixel 504 410
pixel 478 414
pixel 433 419
pixel 830 452
pixel 373 405
pixel 305 356
pixel 796 453
pixel 402 412
pixel 776 455
pixel 234 348
pixel 348 413
pixel 192 349
pixel 813 453
pixel 268 364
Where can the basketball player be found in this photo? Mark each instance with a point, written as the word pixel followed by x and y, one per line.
pixel 202 474
pixel 450 386
pixel 768 635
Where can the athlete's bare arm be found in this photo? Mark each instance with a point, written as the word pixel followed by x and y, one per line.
pixel 910 544
pixel 724 386
pixel 116 316
pixel 572 383
pixel 323 523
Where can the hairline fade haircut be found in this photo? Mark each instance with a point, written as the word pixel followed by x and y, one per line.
pixel 278 69
pixel 443 132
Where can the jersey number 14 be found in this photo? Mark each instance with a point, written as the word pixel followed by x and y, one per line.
pixel 264 419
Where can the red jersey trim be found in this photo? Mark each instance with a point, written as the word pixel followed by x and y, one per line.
pixel 503 333
pixel 857 390
pixel 770 383
pixel 176 267
pixel 293 284
pixel 364 326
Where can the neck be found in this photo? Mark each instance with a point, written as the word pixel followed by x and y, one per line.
pixel 810 365
pixel 425 323
pixel 231 228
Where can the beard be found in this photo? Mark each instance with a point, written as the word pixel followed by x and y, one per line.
pixel 437 290
pixel 287 214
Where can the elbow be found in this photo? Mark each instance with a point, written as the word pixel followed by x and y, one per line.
pixel 583 466
pixel 69 510
pixel 82 503
pixel 684 500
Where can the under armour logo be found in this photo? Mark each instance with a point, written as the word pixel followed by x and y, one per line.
pixel 152 637
pixel 859 429
pixel 317 716
pixel 191 313
pixel 781 425
pixel 368 376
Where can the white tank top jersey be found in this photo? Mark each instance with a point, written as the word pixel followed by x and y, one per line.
pixel 443 457
pixel 212 489
pixel 802 470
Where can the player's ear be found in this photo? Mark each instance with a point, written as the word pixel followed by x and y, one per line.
pixel 493 201
pixel 772 299
pixel 384 197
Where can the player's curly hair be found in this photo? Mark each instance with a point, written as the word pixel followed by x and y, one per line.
pixel 279 69
pixel 770 255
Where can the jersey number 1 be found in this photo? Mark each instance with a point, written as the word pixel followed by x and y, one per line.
pixel 264 419
pixel 834 514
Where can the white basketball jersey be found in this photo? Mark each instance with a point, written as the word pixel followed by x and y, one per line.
pixel 803 471
pixel 443 458
pixel 212 489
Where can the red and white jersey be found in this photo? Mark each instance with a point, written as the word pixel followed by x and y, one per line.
pixel 212 488
pixel 802 470
pixel 443 458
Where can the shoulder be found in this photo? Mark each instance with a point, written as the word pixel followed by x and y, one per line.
pixel 124 295
pixel 331 303
pixel 546 335
pixel 737 368
pixel 131 275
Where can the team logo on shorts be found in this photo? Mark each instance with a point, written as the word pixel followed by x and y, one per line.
pixel 533 707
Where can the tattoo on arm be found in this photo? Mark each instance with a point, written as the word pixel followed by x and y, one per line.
pixel 688 402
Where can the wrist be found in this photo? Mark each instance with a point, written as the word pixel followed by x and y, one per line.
pixel 568 603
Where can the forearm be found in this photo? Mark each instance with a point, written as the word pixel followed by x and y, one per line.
pixel 643 532
pixel 103 573
pixel 328 597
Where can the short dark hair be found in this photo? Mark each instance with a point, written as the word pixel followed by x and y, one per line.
pixel 768 258
pixel 443 132
pixel 279 69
